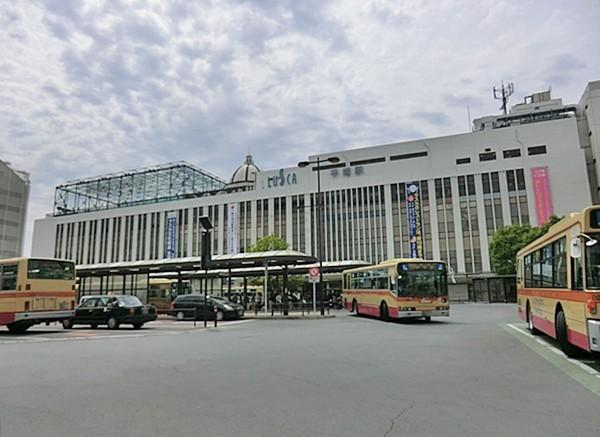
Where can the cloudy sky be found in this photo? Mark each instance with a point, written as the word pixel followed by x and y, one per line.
pixel 90 87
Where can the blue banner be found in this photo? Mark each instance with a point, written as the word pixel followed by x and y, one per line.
pixel 171 234
pixel 415 227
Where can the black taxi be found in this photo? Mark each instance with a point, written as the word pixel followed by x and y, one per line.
pixel 112 311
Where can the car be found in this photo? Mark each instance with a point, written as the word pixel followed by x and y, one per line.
pixel 112 311
pixel 188 306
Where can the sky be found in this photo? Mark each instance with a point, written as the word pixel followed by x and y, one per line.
pixel 93 87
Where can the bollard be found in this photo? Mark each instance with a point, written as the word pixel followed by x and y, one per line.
pixel 215 309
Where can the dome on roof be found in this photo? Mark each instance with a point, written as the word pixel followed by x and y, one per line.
pixel 245 173
pixel 244 177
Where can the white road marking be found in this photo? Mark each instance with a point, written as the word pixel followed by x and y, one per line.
pixel 150 333
pixel 556 351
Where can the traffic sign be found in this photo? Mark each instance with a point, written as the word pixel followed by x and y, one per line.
pixel 313 274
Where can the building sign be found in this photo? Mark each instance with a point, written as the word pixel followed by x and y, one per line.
pixel 171 234
pixel 347 171
pixel 232 228
pixel 282 179
pixel 415 227
pixel 541 192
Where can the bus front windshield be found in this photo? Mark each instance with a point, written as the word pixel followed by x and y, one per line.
pixel 423 280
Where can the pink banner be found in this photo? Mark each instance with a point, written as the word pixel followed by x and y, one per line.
pixel 541 192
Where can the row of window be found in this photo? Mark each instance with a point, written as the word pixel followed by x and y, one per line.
pixel 508 153
pixel 370 280
pixel 546 267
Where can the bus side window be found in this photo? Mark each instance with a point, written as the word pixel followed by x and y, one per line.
pixel 576 274
pixel 8 277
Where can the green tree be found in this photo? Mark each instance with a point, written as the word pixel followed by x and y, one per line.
pixel 270 242
pixel 507 241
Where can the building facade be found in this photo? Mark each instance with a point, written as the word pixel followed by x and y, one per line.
pixel 439 198
pixel 14 196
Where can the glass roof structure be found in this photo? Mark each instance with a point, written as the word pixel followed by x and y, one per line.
pixel 176 180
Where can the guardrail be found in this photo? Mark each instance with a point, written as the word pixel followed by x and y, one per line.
pixel 190 314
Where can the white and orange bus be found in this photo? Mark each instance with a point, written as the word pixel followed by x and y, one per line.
pixel 398 288
pixel 558 282
pixel 35 290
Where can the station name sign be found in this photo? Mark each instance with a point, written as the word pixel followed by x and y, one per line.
pixel 282 179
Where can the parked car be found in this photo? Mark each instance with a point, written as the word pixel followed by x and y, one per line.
pixel 112 311
pixel 189 305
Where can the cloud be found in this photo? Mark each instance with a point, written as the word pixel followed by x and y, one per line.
pixel 92 87
pixel 437 118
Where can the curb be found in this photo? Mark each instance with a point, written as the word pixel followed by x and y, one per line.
pixel 293 317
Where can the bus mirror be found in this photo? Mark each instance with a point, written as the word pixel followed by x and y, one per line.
pixel 575 248
pixel 590 243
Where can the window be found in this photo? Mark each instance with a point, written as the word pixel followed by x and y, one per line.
pixel 50 269
pixel 536 150
pixel 511 153
pixel 367 161
pixel 560 264
pixel 487 156
pixel 408 156
pixel 8 277
pixel 547 267
pixel 460 161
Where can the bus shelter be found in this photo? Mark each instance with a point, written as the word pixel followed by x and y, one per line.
pixel 134 277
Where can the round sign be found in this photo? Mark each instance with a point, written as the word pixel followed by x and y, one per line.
pixel 313 271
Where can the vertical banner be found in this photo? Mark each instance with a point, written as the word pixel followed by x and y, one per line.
pixel 541 192
pixel 232 228
pixel 415 228
pixel 171 233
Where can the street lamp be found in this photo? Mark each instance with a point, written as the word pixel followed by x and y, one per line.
pixel 317 163
pixel 205 260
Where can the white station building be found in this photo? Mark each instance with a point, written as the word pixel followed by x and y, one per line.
pixel 437 198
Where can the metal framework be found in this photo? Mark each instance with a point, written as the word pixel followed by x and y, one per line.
pixel 176 180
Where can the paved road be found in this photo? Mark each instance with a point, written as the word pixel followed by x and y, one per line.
pixel 471 375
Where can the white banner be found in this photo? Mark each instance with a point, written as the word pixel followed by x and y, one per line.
pixel 232 228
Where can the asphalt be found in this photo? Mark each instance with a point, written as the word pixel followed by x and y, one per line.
pixel 474 374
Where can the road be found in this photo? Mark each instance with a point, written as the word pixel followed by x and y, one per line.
pixel 473 374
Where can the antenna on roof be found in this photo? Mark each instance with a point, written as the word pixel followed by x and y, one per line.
pixel 503 93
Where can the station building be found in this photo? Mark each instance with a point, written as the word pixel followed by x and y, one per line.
pixel 439 198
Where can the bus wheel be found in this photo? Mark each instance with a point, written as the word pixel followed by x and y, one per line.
pixel 355 308
pixel 530 326
pixel 427 318
pixel 18 328
pixel 562 337
pixel 383 312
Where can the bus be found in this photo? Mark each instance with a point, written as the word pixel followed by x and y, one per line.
pixel 160 292
pixel 558 283
pixel 398 289
pixel 163 291
pixel 35 290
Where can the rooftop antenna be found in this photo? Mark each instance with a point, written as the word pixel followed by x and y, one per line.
pixel 503 93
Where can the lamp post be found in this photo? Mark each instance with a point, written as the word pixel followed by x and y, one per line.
pixel 317 163
pixel 205 260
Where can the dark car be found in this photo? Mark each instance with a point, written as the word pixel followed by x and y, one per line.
pixel 112 311
pixel 189 306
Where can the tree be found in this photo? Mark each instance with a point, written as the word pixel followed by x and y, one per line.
pixel 507 241
pixel 270 242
